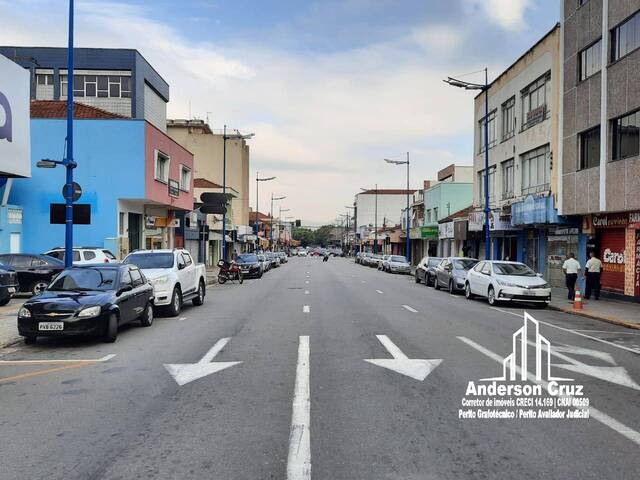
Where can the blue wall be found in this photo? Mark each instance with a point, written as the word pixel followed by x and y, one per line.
pixel 110 157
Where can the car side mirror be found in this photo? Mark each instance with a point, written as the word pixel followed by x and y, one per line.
pixel 539 275
pixel 181 266
pixel 124 289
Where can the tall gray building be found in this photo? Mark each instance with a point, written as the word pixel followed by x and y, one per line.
pixel 601 132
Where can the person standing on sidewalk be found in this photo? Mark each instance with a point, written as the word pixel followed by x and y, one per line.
pixel 593 270
pixel 571 267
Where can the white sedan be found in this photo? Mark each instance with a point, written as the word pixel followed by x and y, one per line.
pixel 506 281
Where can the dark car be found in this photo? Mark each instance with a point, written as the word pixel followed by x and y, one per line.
pixel 8 284
pixel 426 270
pixel 250 266
pixel 88 300
pixel 451 273
pixel 35 272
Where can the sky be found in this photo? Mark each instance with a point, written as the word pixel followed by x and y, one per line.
pixel 330 88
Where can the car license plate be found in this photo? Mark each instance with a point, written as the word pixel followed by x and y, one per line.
pixel 47 326
pixel 11 290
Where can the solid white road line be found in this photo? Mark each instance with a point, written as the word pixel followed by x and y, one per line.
pixel 299 459
pixel 576 332
pixel 106 358
pixel 411 309
pixel 379 291
pixel 593 412
pixel 306 309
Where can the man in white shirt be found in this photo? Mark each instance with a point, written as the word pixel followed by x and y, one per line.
pixel 571 267
pixel 593 269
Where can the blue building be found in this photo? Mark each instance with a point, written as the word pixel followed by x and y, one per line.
pixel 119 81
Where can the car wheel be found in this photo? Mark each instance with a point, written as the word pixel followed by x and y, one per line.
pixel 467 291
pixel 240 278
pixel 29 340
pixel 146 319
pixel 176 303
pixel 261 273
pixel 417 278
pixel 491 296
pixel 38 287
pixel 4 301
pixel 199 300
pixel 436 284
pixel 452 289
pixel 112 329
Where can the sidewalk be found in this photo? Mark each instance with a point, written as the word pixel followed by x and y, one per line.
pixel 8 322
pixel 212 275
pixel 617 312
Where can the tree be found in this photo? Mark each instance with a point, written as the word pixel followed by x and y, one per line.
pixel 304 236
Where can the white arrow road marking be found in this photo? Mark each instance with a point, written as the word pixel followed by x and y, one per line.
pixel 602 417
pixel 184 373
pixel 417 369
pixel 306 309
pixel 299 459
pixel 380 292
pixel 615 374
pixel 411 309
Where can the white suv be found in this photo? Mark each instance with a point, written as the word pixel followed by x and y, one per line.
pixel 84 255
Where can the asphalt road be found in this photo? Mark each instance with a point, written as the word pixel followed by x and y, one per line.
pixel 303 403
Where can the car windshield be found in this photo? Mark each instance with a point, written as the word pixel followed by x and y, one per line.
pixel 434 261
pixel 464 264
pixel 247 258
pixel 147 261
pixel 398 259
pixel 83 279
pixel 517 269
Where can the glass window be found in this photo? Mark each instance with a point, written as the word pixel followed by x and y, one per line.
pixel 187 259
pixel 185 178
pixel 88 255
pixel 85 279
pixel 126 279
pixel 162 167
pixel 114 89
pixel 481 181
pixel 534 101
pixel 486 268
pixel 626 136
pixel 150 260
pixel 507 178
pixel 492 131
pixel 21 261
pixel 508 118
pixel 625 37
pixel 109 255
pixel 590 148
pixel 136 277
pixel 536 170
pixel 590 60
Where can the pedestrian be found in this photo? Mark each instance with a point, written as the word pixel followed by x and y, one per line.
pixel 571 267
pixel 593 270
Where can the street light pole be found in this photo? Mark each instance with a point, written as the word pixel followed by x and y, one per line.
pixel 224 191
pixel 68 162
pixel 485 89
pixel 271 224
pixel 257 222
pixel 408 215
pixel 280 222
pixel 375 234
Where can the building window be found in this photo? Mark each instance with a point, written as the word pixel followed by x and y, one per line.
pixel 590 148
pixel 534 101
pixel 590 60
pixel 185 178
pixel 492 131
pixel 428 216
pixel 626 136
pixel 14 216
pixel 582 2
pixel 536 170
pixel 44 79
pixel 625 37
pixel 435 214
pixel 508 118
pixel 100 86
pixel 162 167
pixel 507 178
pixel 481 179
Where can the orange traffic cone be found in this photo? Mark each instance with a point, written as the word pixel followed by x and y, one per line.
pixel 577 301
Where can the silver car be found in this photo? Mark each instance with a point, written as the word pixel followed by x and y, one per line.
pixel 397 264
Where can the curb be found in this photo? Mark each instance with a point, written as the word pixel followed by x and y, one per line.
pixel 593 316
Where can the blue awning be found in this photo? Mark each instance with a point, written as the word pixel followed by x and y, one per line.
pixel 534 210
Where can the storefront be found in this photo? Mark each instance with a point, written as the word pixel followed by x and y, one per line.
pixel 160 225
pixel 560 242
pixel 445 234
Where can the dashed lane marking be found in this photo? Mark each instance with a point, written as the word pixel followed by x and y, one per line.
pixel 411 309
pixel 379 291
pixel 306 309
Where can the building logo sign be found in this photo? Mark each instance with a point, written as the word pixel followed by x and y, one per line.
pixel 526 388
pixel 5 125
pixel 613 261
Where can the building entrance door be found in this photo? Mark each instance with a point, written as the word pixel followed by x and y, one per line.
pixel 135 230
pixel 15 243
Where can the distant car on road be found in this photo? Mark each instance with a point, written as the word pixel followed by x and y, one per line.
pixel 397 264
pixel 283 257
pixel 451 273
pixel 374 260
pixel 506 281
pixel 34 272
pixel 84 255
pixel 273 259
pixel 426 270
pixel 250 265
pixel 266 263
pixel 8 284
pixel 175 277
pixel 382 264
pixel 88 300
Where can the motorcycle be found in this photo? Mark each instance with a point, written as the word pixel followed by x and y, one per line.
pixel 229 271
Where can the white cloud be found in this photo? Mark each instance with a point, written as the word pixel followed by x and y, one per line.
pixel 508 14
pixel 323 121
pixel 443 39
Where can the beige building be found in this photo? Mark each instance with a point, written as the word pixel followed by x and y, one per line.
pixel 207 146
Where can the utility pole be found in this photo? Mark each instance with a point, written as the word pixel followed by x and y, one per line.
pixel 68 162
pixel 257 222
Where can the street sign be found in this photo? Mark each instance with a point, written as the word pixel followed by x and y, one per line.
pixel 210 198
pixel 174 188
pixel 77 191
pixel 219 209
pixel 81 214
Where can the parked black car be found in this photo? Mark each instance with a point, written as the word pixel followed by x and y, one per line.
pixel 249 265
pixel 8 284
pixel 426 270
pixel 88 300
pixel 34 271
